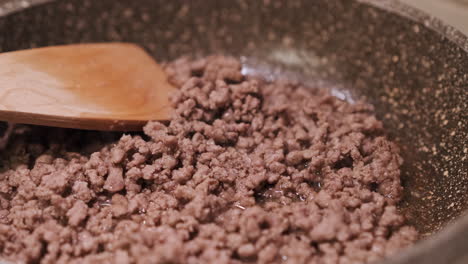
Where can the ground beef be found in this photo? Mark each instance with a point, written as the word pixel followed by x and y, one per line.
pixel 247 171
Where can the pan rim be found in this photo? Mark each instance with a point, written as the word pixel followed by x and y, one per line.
pixel 436 247
pixel 397 7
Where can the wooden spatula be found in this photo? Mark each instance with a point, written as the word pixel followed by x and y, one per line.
pixel 107 86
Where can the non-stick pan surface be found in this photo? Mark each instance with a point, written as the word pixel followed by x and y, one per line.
pixel 412 67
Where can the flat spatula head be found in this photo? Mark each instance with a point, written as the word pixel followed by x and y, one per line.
pixel 105 86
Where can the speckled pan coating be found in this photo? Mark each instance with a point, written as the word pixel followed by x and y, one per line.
pixel 410 66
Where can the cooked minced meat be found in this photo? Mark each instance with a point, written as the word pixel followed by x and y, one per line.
pixel 247 171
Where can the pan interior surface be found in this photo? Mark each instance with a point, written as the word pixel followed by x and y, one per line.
pixel 416 78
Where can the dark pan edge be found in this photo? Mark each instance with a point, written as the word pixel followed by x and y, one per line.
pixel 436 249
pixel 12 6
pixel 393 6
pixel 447 246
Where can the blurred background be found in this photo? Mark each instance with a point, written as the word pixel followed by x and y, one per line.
pixel 454 12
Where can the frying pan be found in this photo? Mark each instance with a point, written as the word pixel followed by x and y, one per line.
pixel 413 68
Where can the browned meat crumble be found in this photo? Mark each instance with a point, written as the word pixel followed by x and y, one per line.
pixel 246 172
